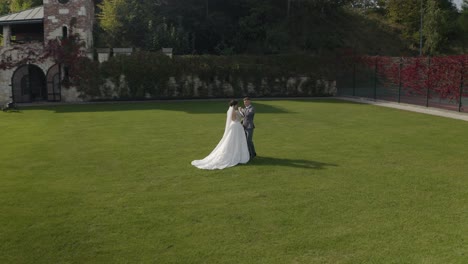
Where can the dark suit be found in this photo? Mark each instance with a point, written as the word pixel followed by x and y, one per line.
pixel 249 113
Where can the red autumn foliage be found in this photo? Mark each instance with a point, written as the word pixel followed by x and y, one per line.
pixel 66 51
pixel 442 76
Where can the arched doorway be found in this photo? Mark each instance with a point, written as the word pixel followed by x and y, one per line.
pixel 53 83
pixel 28 84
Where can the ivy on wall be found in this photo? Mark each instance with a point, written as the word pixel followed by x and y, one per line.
pixel 148 74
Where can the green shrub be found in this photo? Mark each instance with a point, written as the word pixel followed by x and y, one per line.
pixel 147 75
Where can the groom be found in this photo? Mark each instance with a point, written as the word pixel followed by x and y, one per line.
pixel 249 112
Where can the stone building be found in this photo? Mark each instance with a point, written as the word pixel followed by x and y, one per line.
pixel 25 36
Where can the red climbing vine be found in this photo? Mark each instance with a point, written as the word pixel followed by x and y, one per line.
pixel 443 76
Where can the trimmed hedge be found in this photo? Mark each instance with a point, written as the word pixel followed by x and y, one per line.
pixel 149 75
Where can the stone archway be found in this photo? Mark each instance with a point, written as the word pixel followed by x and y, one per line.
pixel 28 84
pixel 53 84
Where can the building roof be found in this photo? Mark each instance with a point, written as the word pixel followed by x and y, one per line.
pixel 29 16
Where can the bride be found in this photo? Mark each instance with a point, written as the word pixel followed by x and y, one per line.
pixel 232 149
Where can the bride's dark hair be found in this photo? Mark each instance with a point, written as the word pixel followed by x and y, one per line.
pixel 232 103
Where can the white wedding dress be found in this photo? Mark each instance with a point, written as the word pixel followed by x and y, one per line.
pixel 231 150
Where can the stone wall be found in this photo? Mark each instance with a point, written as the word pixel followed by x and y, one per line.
pixel 57 15
pixel 76 15
pixel 5 88
pixel 193 87
pixel 7 74
pixel 14 54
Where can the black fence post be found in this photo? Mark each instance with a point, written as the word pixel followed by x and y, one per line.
pixel 461 86
pixel 428 72
pixel 399 79
pixel 59 83
pixel 375 79
pixel 354 77
pixel 12 92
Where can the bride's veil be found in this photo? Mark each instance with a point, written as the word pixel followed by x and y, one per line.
pixel 228 119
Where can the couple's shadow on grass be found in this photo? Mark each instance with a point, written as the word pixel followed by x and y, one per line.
pixel 294 163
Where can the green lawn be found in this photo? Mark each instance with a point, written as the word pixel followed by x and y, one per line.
pixel 335 182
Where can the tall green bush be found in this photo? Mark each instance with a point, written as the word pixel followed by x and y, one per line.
pixel 148 75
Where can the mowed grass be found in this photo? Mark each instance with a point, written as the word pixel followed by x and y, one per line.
pixel 334 182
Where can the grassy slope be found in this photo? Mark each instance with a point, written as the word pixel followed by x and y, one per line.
pixel 334 182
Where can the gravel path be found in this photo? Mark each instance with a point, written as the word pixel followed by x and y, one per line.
pixel 408 107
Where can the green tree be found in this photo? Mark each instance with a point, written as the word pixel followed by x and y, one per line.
pixel 113 16
pixel 137 23
pixel 433 19
pixel 219 26
pixel 462 25
pixel 365 4
pixel 4 7
pixel 12 6
pixel 163 35
pixel 405 14
pixel 20 5
pixel 438 26
pixel 211 24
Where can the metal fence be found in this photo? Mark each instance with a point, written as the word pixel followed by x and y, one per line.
pixel 440 82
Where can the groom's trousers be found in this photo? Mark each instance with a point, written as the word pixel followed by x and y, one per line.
pixel 249 134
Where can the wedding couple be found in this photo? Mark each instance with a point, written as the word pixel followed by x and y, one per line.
pixel 236 145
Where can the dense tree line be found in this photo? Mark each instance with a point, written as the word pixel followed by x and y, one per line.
pixel 274 26
pixel 463 27
pixel 212 26
pixel 11 6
